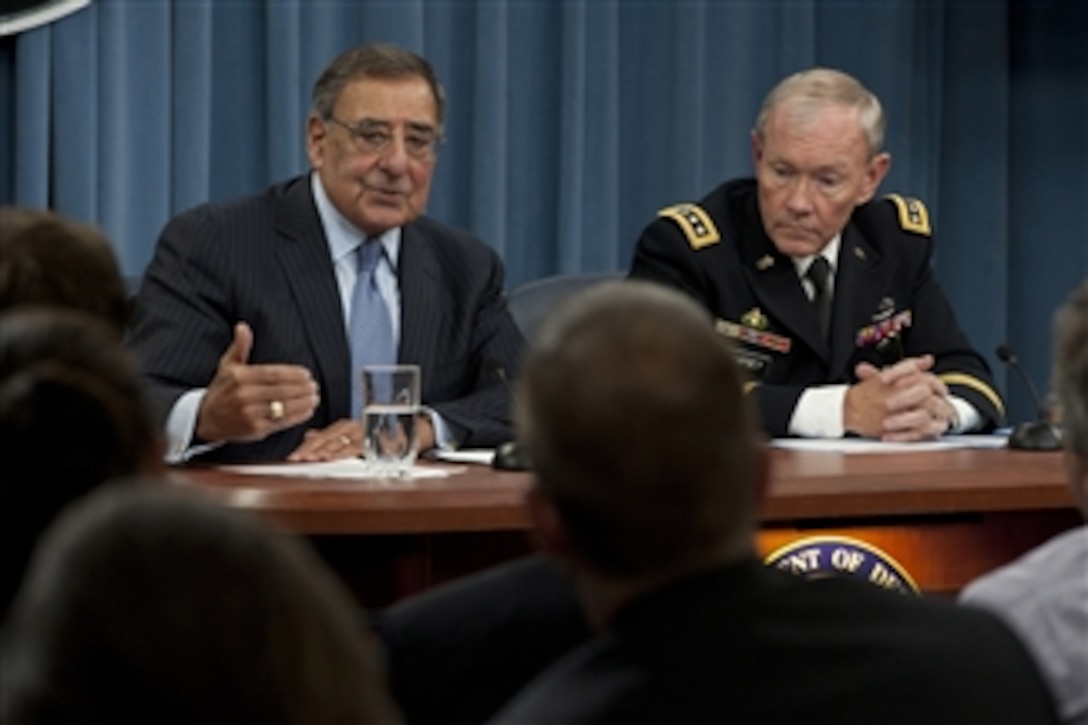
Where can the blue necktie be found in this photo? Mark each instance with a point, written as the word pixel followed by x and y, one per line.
pixel 370 329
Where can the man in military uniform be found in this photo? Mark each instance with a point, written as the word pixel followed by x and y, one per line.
pixel 829 296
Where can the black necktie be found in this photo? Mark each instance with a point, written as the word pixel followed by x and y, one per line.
pixel 819 273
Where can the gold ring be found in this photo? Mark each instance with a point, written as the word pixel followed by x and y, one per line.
pixel 345 440
pixel 275 410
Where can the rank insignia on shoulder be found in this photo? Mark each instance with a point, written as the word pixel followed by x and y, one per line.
pixel 696 224
pixel 913 216
pixel 754 318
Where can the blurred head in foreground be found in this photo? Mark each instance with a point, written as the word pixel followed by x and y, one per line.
pixel 72 415
pixel 644 446
pixel 147 605
pixel 47 260
pixel 1070 384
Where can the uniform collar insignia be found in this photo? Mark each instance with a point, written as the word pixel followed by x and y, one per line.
pixel 764 263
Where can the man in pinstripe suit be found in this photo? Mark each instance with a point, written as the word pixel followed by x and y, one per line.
pixel 241 322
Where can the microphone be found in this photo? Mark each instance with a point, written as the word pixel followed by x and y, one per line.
pixel 1039 434
pixel 508 456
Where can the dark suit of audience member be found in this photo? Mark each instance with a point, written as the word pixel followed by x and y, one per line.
pixel 147 606
pixel 1043 595
pixel 459 652
pixel 648 474
pixel 748 251
pixel 73 415
pixel 270 278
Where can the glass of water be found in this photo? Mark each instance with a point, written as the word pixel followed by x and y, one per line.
pixel 390 408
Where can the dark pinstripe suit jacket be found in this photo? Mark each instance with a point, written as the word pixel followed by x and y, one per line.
pixel 264 260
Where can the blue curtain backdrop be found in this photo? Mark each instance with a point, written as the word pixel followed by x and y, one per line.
pixel 571 123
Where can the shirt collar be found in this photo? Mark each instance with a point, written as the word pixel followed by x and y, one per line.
pixel 342 236
pixel 830 252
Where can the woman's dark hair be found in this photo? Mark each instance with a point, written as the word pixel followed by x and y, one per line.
pixel 47 260
pixel 73 414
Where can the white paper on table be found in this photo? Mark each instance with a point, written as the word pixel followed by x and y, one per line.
pixel 863 445
pixel 466 455
pixel 346 468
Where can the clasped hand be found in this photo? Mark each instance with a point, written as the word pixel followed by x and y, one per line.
pixel 902 402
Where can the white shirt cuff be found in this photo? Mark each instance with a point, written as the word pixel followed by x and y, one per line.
pixel 443 438
pixel 818 413
pixel 968 419
pixel 181 425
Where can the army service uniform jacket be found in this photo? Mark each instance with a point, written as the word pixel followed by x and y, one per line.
pixel 887 303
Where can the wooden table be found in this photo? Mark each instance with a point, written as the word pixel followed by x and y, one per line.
pixel 945 516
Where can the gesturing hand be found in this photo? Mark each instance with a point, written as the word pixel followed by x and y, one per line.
pixel 248 402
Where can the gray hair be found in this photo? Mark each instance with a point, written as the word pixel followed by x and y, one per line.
pixel 1070 375
pixel 373 61
pixel 819 87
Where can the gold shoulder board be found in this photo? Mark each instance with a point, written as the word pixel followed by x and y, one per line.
pixel 913 216
pixel 695 223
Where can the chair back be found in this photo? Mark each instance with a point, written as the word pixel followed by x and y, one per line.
pixel 531 302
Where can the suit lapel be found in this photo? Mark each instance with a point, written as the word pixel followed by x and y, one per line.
pixel 861 278
pixel 421 310
pixel 303 252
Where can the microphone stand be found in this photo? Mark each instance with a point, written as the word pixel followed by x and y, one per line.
pixel 509 456
pixel 1036 435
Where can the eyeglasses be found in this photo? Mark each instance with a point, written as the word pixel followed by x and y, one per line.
pixel 374 137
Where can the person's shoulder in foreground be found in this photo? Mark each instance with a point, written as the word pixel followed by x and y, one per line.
pixel 1044 594
pixel 647 482
pixel 750 644
pixel 457 653
pixel 1044 598
pixel 876 351
pixel 249 324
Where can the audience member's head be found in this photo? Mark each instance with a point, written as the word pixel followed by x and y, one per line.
pixel 1071 387
pixel 47 260
pixel 72 415
pixel 632 410
pixel 144 605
